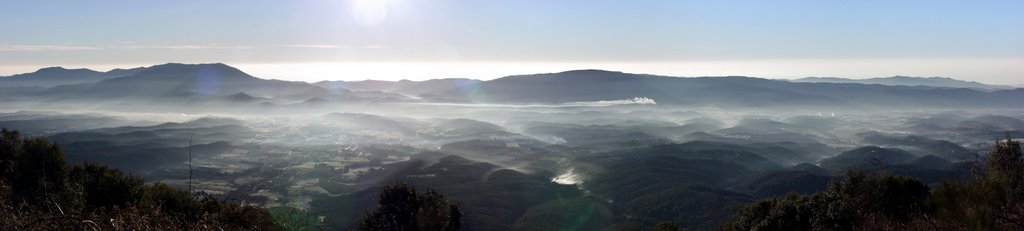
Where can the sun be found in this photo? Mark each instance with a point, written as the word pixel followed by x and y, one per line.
pixel 370 12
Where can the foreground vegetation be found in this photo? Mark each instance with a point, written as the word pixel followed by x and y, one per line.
pixel 400 207
pixel 993 199
pixel 39 190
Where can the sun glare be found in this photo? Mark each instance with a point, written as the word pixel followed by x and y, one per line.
pixel 370 12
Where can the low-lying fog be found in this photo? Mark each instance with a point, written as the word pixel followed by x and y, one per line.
pixel 314 159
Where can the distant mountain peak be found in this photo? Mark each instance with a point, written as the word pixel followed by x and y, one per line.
pixel 125 69
pixel 52 76
pixel 190 65
pixel 595 74
pixel 583 74
pixel 900 80
pixel 916 77
pixel 241 96
pixel 180 69
pixel 924 78
pixel 58 69
pixel 591 71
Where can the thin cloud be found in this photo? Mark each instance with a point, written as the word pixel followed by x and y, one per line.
pixel 12 47
pixel 134 45
pixel 184 47
pixel 123 45
pixel 334 46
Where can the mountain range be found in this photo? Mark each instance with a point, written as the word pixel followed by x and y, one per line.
pixel 56 76
pixel 908 81
pixel 216 84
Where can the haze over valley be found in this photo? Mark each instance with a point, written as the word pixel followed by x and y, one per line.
pixel 506 149
pixel 525 115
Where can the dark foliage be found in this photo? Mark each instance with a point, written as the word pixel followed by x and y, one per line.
pixel 490 197
pixel 667 226
pixel 992 200
pixel 40 191
pixel 866 158
pixel 104 187
pixel 647 189
pixel 858 200
pixel 578 213
pixel 780 183
pixel 399 207
pixel 292 218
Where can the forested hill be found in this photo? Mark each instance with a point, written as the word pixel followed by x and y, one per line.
pixel 217 84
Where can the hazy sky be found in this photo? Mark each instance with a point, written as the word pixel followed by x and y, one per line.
pixel 421 39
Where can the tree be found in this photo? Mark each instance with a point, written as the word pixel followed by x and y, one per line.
pixel 10 144
pixel 994 199
pixel 104 187
pixel 399 207
pixel 39 190
pixel 858 201
pixel 34 168
pixel 1005 162
pixel 292 218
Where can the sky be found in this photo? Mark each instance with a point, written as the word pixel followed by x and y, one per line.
pixel 423 39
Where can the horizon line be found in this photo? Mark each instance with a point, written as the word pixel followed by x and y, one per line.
pixel 254 69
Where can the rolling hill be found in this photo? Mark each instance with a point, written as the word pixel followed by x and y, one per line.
pixel 200 83
pixel 908 81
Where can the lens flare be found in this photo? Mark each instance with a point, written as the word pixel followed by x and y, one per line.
pixel 208 81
